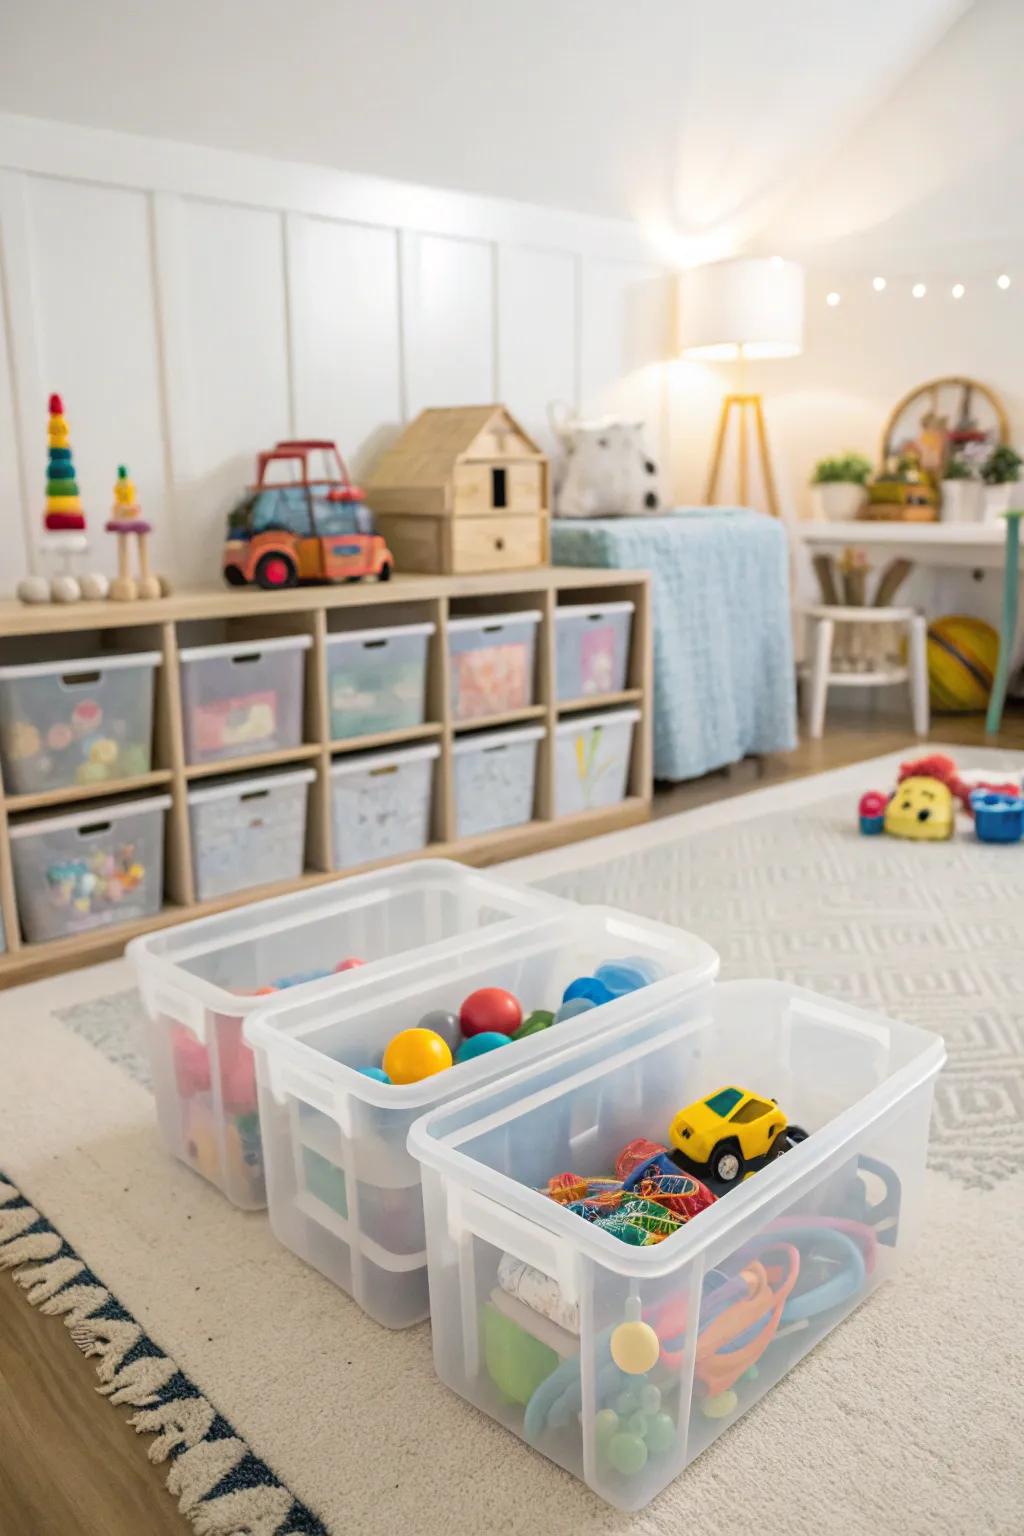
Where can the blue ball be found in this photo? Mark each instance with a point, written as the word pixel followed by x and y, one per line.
pixel 589 987
pixel 574 1007
pixel 377 1073
pixel 479 1045
pixel 621 977
pixel 650 969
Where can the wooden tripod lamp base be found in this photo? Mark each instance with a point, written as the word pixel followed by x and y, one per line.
pixel 747 407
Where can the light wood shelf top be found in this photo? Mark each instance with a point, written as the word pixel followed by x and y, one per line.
pixel 409 733
pixel 74 792
pixel 600 701
pixel 253 762
pixel 509 717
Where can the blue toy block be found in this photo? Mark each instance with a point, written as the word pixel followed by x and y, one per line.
pixel 998 816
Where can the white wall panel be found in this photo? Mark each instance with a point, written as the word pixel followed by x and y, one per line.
pixel 447 321
pixel 346 355
pixel 235 371
pixel 96 346
pixel 13 529
pixel 537 313
pixel 625 338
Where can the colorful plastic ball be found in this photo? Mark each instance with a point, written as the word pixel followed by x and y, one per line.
pixel 720 1406
pixel 348 964
pixel 650 1398
pixel 661 1434
pixel 627 1453
pixel 490 1008
pixel 620 978
pixel 479 1045
pixel 606 1423
pixel 377 1073
pixel 534 1022
pixel 627 1402
pixel 443 1023
pixel 635 1348
pixel 415 1054
pixel 653 970
pixel 573 1008
pixel 589 987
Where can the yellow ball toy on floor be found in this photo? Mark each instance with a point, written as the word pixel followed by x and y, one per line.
pixel 415 1054
pixel 962 657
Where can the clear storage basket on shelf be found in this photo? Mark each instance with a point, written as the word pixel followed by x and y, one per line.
pixel 76 722
pixel 592 754
pixel 623 1363
pixel 494 774
pixel 243 697
pixel 381 804
pixel 591 648
pixel 199 980
pixel 490 661
pixel 342 1189
pixel 248 831
pixel 377 679
pixel 98 866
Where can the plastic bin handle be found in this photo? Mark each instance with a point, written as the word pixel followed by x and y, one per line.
pixel 287 1080
pixel 163 997
pixel 471 1212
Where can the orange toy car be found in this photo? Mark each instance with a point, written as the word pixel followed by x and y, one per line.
pixel 303 521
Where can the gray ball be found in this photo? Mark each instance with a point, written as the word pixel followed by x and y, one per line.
pixel 444 1024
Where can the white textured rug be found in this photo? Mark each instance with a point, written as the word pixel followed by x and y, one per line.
pixel 290 1411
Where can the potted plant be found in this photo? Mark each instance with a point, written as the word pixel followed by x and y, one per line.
pixel 1000 472
pixel 840 485
pixel 962 491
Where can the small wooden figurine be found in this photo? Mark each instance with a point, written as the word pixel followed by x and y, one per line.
pixel 126 521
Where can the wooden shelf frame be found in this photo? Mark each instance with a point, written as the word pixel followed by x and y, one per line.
pixel 250 614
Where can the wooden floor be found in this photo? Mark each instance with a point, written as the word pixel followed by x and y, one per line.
pixel 69 1464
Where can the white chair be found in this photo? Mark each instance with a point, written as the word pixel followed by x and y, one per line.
pixel 823 619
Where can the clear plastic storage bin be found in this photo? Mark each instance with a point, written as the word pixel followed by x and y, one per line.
pixel 491 663
pixel 248 831
pixel 342 1188
pixel 103 865
pixel 494 779
pixel 592 755
pixel 199 980
pixel 377 679
pixel 381 804
pixel 242 698
pixel 592 648
pixel 623 1363
pixel 76 722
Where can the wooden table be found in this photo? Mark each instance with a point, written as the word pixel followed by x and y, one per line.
pixel 967 546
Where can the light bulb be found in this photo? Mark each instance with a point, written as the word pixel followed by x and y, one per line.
pixel 878 284
pixel 832 299
pixel 1002 281
pixel 958 290
pixel 919 290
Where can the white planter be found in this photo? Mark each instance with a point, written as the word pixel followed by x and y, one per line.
pixel 963 501
pixel 839 500
pixel 999 498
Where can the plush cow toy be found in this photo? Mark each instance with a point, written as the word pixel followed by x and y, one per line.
pixel 604 470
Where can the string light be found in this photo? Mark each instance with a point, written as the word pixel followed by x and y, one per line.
pixel 958 290
pixel 878 284
pixel 832 299
pixel 919 290
pixel 1002 281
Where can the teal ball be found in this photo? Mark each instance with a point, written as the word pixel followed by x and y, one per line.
pixel 479 1045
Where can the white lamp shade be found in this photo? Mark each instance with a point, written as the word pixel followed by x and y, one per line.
pixel 753 303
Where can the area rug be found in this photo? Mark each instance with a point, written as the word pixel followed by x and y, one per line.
pixel 257 1381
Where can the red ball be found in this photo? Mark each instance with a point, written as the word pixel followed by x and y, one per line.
pixel 349 964
pixel 490 1008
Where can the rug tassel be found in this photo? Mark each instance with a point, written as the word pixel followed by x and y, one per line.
pixel 138 1385
pixel 42 1281
pixel 249 1512
pixel 199 1469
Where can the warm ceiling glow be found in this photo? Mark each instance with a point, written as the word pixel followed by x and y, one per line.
pixel 919 290
pixel 832 298
pixel 878 284
pixel 958 290
pixel 1002 281
pixel 776 262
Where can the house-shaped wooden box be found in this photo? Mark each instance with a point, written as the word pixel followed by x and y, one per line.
pixel 463 489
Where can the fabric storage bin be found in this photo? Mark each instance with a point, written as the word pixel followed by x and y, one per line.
pixel 199 979
pixel 490 663
pixel 592 755
pixel 381 804
pixel 76 722
pixel 98 866
pixel 242 698
pixel 494 779
pixel 377 679
pixel 343 1191
pixel 591 648
pixel 248 831
pixel 535 1312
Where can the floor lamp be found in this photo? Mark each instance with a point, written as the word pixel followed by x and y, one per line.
pixel 741 310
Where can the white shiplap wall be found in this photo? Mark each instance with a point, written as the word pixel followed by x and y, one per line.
pixel 193 306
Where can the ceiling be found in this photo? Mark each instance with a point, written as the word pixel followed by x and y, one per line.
pixel 809 124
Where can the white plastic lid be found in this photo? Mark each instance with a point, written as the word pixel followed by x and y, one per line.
pixel 82 665
pixel 359 764
pixel 592 610
pixel 233 648
pixel 514 736
pixel 587 722
pixel 96 815
pixel 389 632
pixel 237 789
pixel 484 621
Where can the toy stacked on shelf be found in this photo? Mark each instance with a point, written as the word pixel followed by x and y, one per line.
pixel 125 521
pixel 64 541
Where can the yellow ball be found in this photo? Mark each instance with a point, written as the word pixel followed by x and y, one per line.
pixel 720 1406
pixel 635 1348
pixel 415 1054
pixel 962 657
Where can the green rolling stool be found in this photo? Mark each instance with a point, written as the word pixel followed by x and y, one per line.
pixel 1008 624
